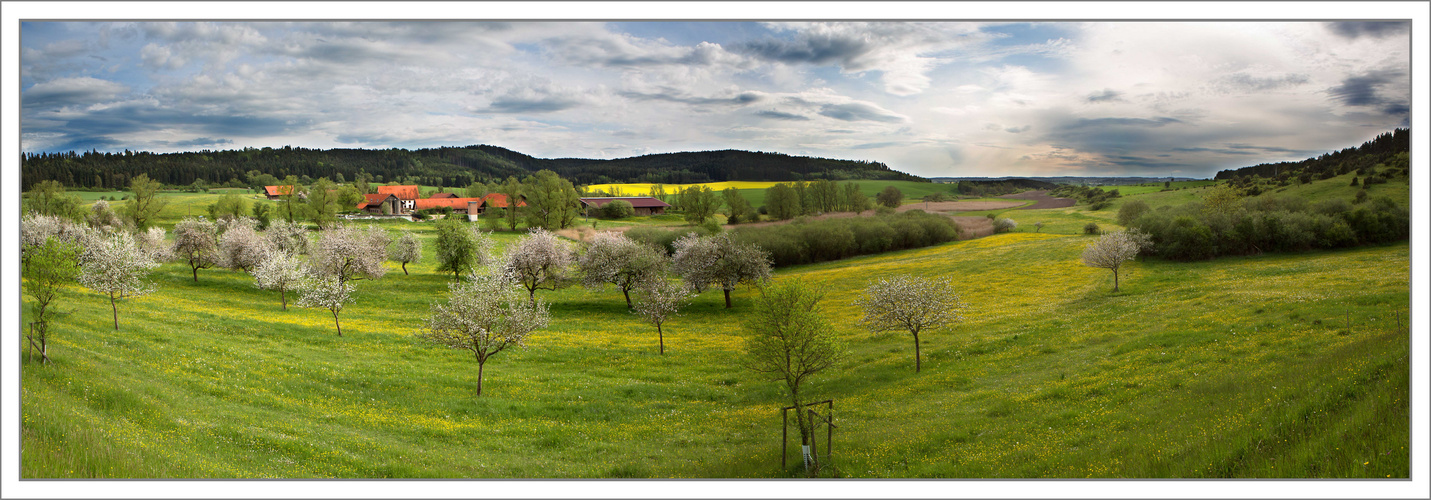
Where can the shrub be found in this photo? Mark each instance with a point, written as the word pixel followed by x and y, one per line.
pixel 1090 228
pixel 1098 205
pixel 1004 225
pixel 617 209
pixel 1130 212
pixel 806 241
pixel 1360 196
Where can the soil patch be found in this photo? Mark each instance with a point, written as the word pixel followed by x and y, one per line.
pixel 1041 200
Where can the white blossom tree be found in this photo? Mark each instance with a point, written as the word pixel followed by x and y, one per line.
pixel 406 249
pixel 101 215
pixel 240 245
pixel 280 271
pixel 326 292
pixel 657 300
pixel 1111 251
pixel 1005 225
pixel 613 258
pixel 285 236
pixel 197 242
pixel 721 261
pixel 538 261
pixel 485 314
pixel 910 303
pixel 348 253
pixel 36 229
pixel 117 267
pixel 152 243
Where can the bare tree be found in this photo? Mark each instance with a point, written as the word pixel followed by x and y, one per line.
pixel 657 300
pixel 789 339
pixel 348 253
pixel 613 258
pixel 539 261
pixel 280 271
pixel 1111 251
pixel 116 266
pixel 909 303
pixel 719 260
pixel 407 249
pixel 328 292
pixel 196 241
pixel 240 246
pixel 484 314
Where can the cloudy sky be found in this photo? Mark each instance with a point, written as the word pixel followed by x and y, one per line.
pixel 933 99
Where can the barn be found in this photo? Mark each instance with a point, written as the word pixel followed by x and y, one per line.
pixel 644 205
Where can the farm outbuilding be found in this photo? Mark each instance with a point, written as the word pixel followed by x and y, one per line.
pixel 275 192
pixel 373 203
pixel 644 205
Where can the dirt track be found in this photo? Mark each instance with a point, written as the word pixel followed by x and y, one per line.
pixel 1041 200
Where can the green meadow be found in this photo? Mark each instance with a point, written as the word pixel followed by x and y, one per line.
pixel 1271 366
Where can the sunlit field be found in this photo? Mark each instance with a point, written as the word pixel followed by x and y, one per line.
pixel 1285 365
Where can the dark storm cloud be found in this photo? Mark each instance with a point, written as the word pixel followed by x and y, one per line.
pixel 1375 29
pixel 70 92
pixel 671 96
pixel 859 112
pixel 1366 90
pixel 529 105
pixel 779 115
pixel 1107 95
pixel 809 49
pixel 93 129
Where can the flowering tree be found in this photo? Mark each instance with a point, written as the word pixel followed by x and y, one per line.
pixel 101 215
pixel 240 246
pixel 280 271
pixel 36 229
pixel 719 260
pixel 152 243
pixel 407 249
pixel 613 258
pixel 461 247
pixel 348 253
pixel 909 303
pixel 116 266
pixel 327 292
pixel 789 340
pixel 285 236
pixel 1005 225
pixel 658 300
pixel 196 241
pixel 1111 251
pixel 49 266
pixel 484 314
pixel 538 261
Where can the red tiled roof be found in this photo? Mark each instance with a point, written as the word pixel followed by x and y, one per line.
pixel 443 195
pixel 402 192
pixel 454 203
pixel 499 200
pixel 277 190
pixel 635 201
pixel 373 199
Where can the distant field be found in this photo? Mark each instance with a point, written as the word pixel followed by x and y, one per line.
pixel 754 192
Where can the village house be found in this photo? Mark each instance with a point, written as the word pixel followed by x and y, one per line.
pixel 373 203
pixel 497 200
pixel 276 192
pixel 407 196
pixel 644 205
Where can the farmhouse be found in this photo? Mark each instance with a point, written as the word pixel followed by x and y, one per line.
pixel 406 195
pixel 373 203
pixel 274 192
pixel 458 205
pixel 644 205
pixel 497 200
pixel 443 195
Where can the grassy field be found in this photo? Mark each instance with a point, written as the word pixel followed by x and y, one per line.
pixel 754 192
pixel 1288 365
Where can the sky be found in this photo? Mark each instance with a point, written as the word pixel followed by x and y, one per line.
pixel 930 98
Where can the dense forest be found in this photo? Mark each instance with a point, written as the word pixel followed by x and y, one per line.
pixel 446 166
pixel 1391 149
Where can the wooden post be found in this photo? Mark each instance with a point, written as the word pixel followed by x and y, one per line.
pixel 814 454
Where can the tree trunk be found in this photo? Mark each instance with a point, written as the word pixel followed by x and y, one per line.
pixel 916 352
pixel 44 350
pixel 404 269
pixel 627 293
pixel 532 295
pixel 335 323
pixel 1115 279
pixel 283 297
pixel 727 297
pixel 661 337
pixel 480 364
pixel 114 308
pixel 196 274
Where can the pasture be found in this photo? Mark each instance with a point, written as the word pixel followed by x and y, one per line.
pixel 1287 365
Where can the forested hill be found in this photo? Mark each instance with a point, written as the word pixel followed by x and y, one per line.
pixel 1392 149
pixel 447 166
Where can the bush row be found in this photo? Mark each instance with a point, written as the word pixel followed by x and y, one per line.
pixel 1271 224
pixel 805 241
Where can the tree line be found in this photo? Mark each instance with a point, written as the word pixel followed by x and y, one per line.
pixel 1386 148
pixel 444 166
